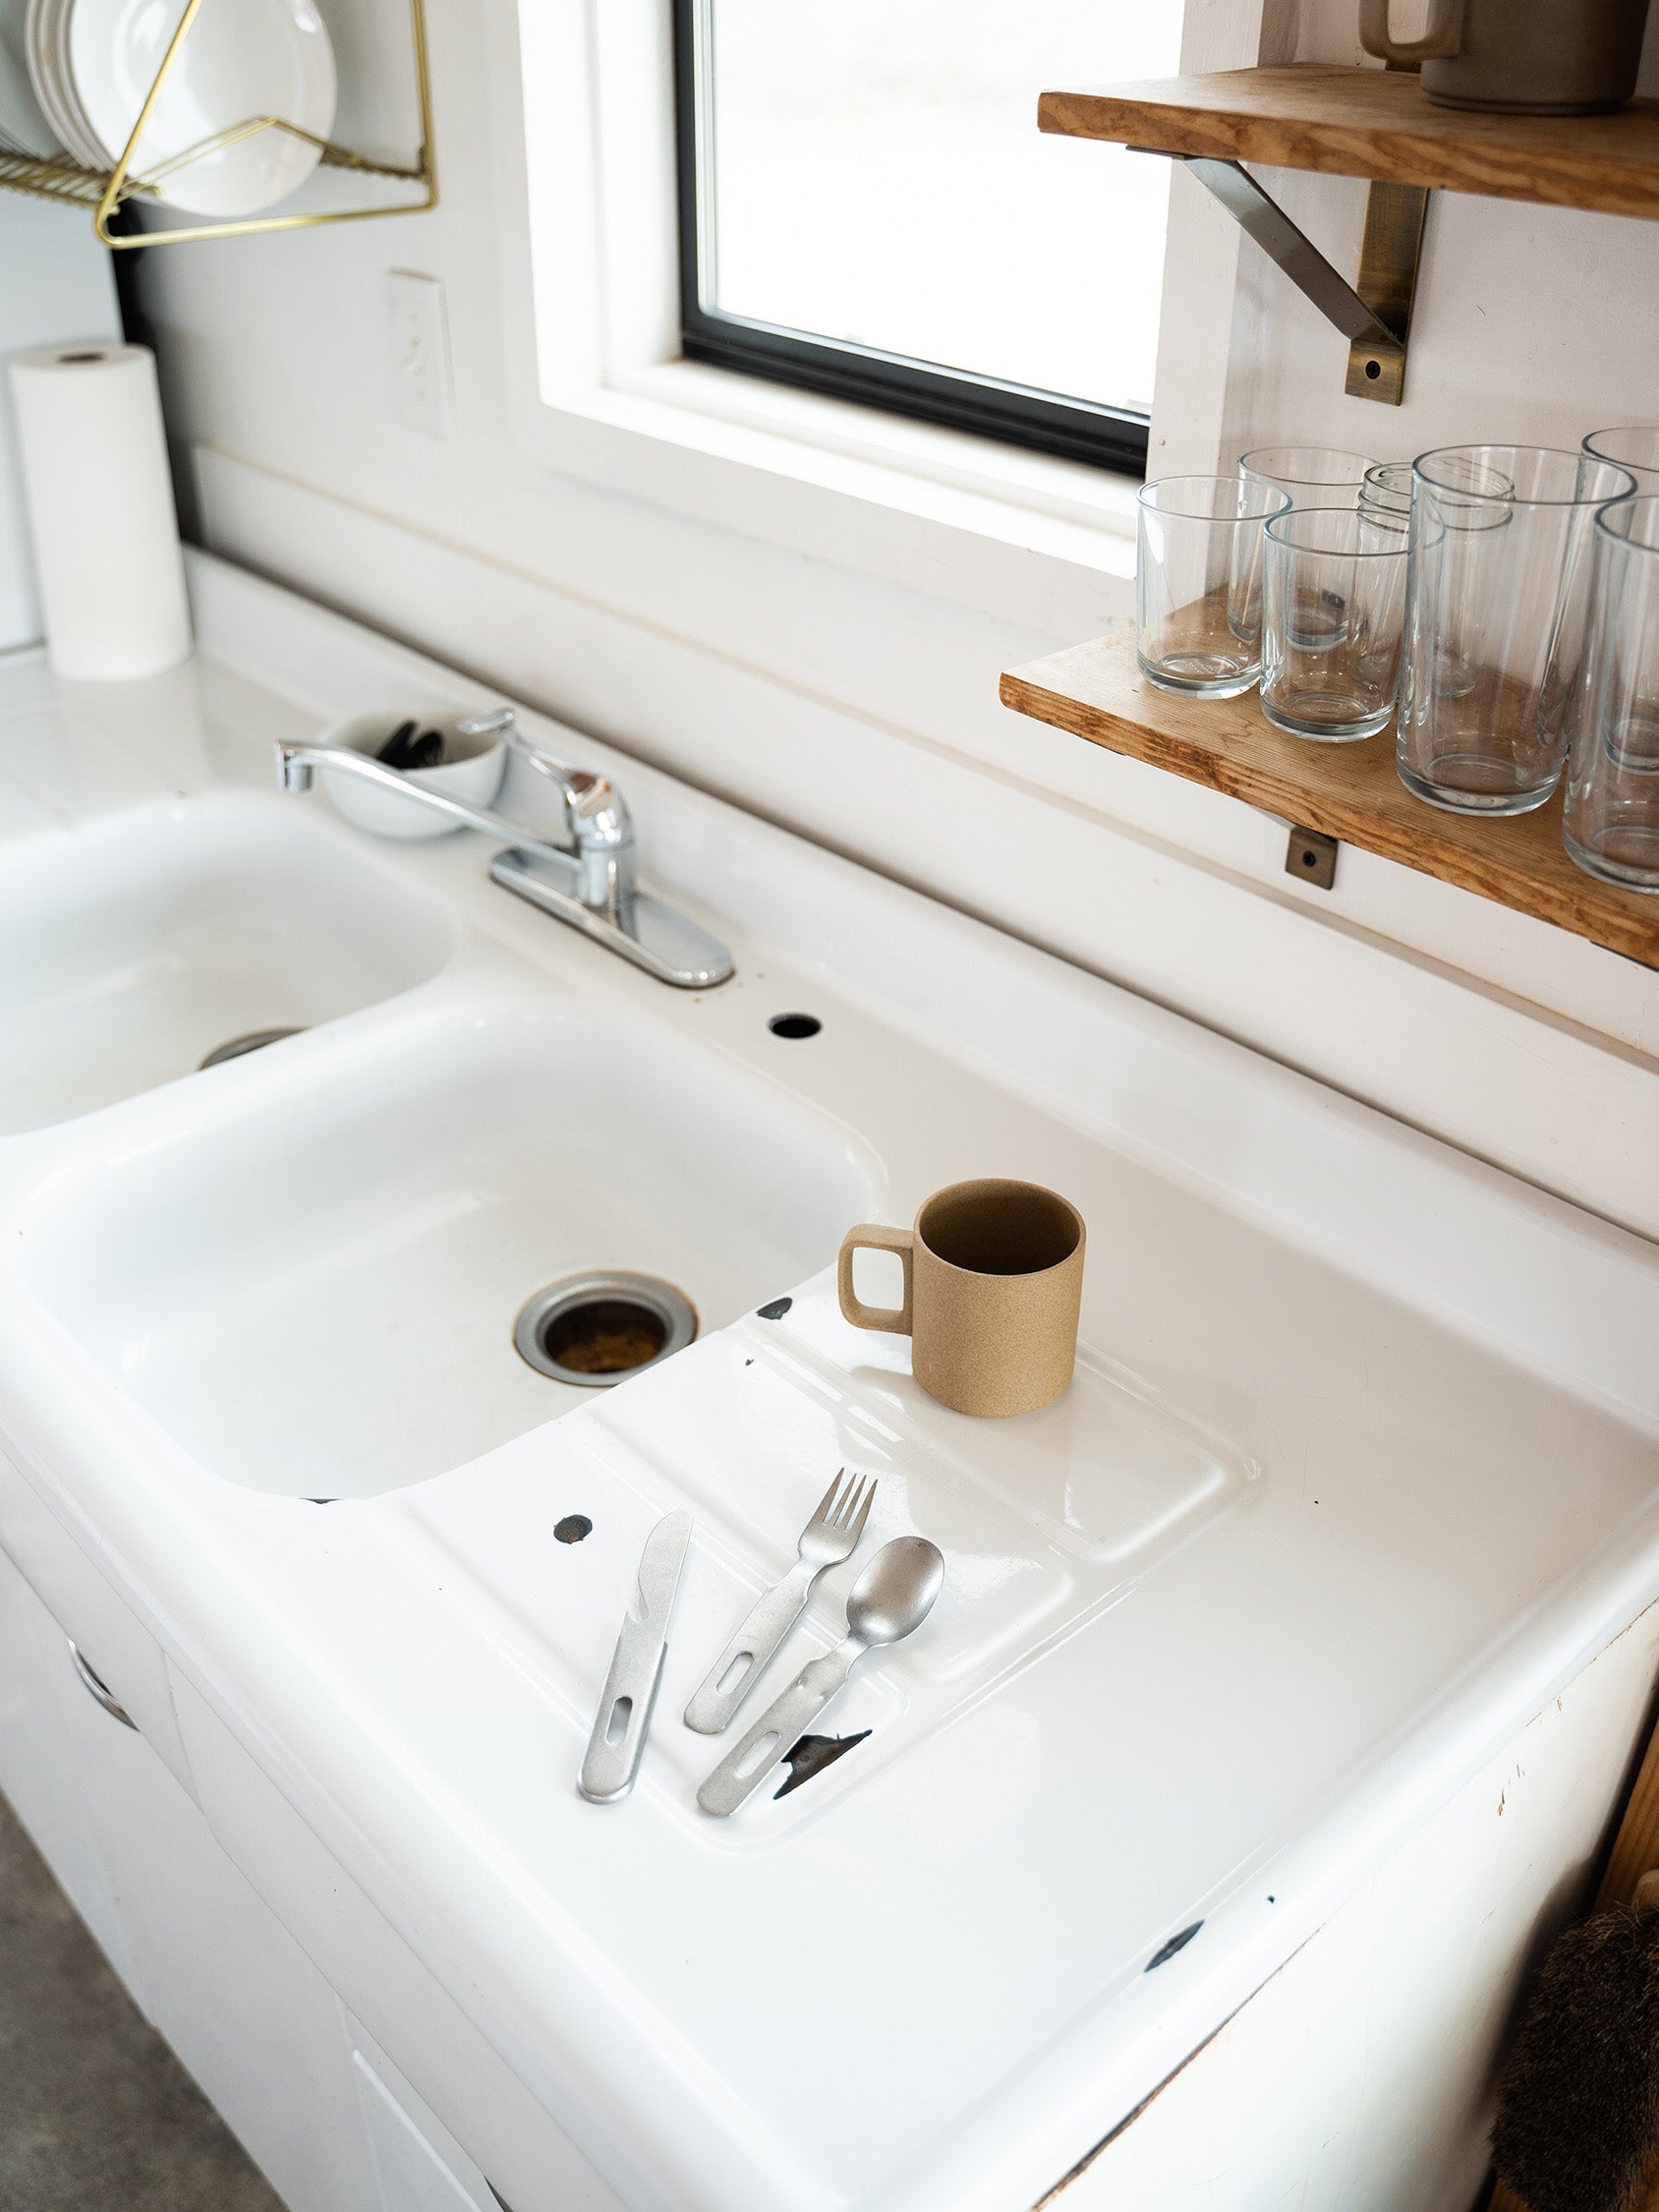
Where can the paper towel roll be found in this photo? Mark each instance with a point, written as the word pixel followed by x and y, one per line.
pixel 101 509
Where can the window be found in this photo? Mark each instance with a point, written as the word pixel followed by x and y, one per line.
pixel 867 209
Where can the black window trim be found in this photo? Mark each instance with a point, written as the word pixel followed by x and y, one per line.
pixel 1106 438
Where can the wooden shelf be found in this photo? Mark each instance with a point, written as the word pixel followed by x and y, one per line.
pixel 1377 122
pixel 1348 792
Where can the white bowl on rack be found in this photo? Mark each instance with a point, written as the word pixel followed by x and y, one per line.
pixel 243 60
pixel 474 775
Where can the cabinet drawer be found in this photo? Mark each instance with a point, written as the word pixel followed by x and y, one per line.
pixel 102 1627
pixel 421 2166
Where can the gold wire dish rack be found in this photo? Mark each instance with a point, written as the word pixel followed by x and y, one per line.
pixel 103 191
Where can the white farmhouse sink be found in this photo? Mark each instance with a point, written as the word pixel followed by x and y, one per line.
pixel 134 946
pixel 315 1291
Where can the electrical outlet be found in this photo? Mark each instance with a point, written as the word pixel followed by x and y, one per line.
pixel 418 354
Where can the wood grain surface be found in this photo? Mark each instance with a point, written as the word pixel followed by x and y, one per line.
pixel 1349 791
pixel 1377 122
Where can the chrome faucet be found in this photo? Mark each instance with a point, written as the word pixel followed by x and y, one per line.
pixel 589 883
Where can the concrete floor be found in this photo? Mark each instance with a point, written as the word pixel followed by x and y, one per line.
pixel 97 2115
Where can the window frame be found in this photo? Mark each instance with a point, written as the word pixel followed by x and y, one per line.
pixel 1072 429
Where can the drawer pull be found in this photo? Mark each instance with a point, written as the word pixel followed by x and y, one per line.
pixel 99 1691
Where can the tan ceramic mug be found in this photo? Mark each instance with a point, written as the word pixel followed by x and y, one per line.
pixel 1524 57
pixel 993 1280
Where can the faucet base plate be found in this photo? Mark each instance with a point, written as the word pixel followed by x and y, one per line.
pixel 666 944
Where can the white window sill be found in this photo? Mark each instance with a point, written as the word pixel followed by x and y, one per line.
pixel 1019 535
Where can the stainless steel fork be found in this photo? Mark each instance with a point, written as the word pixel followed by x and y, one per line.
pixel 829 1538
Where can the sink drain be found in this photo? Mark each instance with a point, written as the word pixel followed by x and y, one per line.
pixel 250 1040
pixel 597 1329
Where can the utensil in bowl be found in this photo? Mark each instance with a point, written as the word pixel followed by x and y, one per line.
pixel 830 1536
pixel 888 1601
pixel 474 764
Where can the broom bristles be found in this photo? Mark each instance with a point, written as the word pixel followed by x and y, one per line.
pixel 1577 2125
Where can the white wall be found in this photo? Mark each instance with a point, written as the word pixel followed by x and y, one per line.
pixel 55 282
pixel 816 657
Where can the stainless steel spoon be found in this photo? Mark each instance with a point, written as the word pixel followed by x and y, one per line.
pixel 888 1601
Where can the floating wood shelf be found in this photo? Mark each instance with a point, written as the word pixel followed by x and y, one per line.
pixel 1348 792
pixel 1379 124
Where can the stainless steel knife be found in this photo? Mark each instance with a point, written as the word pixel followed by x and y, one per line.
pixel 623 1721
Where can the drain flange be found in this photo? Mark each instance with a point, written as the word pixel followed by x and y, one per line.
pixel 250 1040
pixel 598 1328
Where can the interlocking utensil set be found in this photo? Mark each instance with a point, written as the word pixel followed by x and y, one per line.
pixel 830 1536
pixel 891 1598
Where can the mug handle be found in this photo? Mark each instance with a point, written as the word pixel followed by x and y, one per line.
pixel 875 1236
pixel 1445 33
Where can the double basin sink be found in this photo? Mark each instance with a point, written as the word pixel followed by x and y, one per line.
pixel 306 1262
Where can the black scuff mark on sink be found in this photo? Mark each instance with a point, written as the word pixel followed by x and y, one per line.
pixel 775 1311
pixel 1162 1957
pixel 812 1755
pixel 322 1501
pixel 573 1528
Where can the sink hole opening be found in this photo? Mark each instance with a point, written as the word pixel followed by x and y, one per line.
pixel 794 1024
pixel 597 1329
pixel 812 1754
pixel 616 1727
pixel 250 1040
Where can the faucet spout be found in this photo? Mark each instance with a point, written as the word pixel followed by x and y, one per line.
pixel 589 883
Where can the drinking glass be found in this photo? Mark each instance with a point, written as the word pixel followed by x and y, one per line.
pixel 1313 476
pixel 1309 476
pixel 1496 598
pixel 1332 611
pixel 1200 545
pixel 1635 450
pixel 1385 494
pixel 1610 824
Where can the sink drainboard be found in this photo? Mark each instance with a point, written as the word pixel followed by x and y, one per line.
pixel 597 1329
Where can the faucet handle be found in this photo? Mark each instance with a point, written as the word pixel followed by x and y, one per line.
pixel 499 723
pixel 598 810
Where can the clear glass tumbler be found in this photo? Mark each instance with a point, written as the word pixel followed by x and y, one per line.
pixel 1495 613
pixel 1635 450
pixel 1332 613
pixel 1385 494
pixel 1309 476
pixel 1610 824
pixel 1313 476
pixel 1200 547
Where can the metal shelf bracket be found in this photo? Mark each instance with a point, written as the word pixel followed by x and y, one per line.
pixel 1376 315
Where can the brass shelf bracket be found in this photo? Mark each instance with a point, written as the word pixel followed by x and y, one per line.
pixel 1375 317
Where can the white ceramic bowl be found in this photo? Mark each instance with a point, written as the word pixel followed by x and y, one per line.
pixel 475 777
pixel 248 59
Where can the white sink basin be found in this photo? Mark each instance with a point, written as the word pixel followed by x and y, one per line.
pixel 314 1291
pixel 132 947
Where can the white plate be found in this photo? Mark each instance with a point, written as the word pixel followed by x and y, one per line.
pixel 242 59
pixel 25 125
pixel 82 136
pixel 44 54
